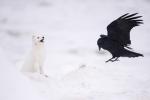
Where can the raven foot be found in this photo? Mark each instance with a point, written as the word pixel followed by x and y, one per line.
pixel 128 47
pixel 112 59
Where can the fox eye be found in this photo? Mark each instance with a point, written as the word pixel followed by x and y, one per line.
pixel 38 37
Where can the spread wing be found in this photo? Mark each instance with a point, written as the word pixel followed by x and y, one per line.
pixel 119 30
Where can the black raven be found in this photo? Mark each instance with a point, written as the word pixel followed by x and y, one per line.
pixel 118 38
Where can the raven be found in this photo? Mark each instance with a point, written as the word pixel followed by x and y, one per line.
pixel 118 39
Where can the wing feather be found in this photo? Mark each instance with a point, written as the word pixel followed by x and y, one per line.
pixel 119 30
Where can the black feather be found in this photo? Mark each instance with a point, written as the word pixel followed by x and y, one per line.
pixel 119 36
pixel 130 15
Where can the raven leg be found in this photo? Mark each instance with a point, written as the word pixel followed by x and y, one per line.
pixel 112 59
pixel 128 47
pixel 116 59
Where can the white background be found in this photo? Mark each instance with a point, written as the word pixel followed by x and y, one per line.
pixel 77 71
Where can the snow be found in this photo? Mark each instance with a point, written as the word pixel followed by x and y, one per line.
pixel 77 71
pixel 14 85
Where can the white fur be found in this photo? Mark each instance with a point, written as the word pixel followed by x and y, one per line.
pixel 35 60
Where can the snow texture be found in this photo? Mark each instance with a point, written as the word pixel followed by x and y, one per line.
pixel 76 69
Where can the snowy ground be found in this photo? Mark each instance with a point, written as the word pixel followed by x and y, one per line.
pixel 77 71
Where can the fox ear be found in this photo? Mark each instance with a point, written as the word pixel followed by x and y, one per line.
pixel 33 35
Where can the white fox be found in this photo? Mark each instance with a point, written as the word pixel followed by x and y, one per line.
pixel 35 60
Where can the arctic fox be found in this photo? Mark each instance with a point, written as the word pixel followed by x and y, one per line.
pixel 35 60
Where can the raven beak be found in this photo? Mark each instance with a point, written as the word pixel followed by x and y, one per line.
pixel 99 48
